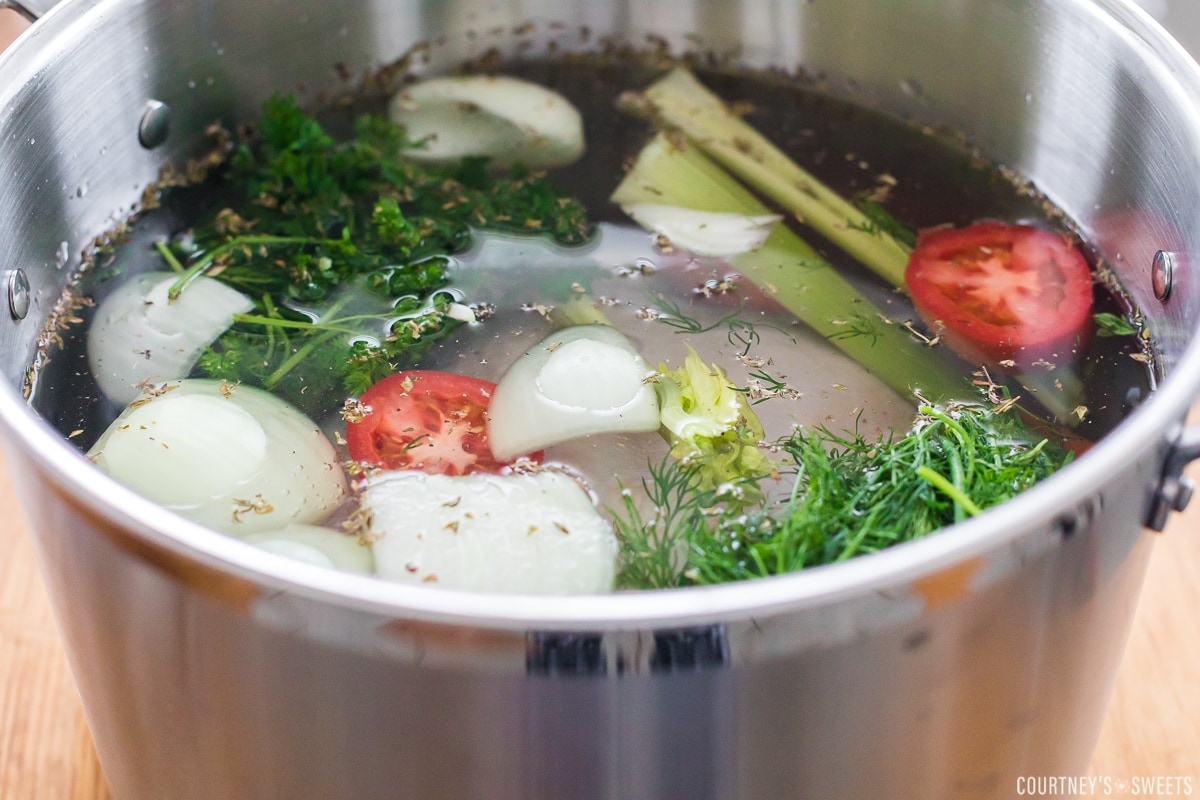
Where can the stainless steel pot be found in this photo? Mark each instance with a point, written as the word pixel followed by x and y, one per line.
pixel 944 668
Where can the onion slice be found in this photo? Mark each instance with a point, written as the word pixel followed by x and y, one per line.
pixel 506 119
pixel 704 233
pixel 139 336
pixel 520 533
pixel 579 381
pixel 323 547
pixel 236 459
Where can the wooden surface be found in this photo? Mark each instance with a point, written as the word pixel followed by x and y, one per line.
pixel 1152 728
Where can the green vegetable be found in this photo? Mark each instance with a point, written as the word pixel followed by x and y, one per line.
pixel 869 233
pixel 684 103
pixel 850 497
pixel 711 427
pixel 1113 325
pixel 343 247
pixel 677 173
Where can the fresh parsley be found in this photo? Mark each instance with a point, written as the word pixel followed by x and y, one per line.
pixel 344 247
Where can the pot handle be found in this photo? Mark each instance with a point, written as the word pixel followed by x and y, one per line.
pixel 29 9
pixel 1175 489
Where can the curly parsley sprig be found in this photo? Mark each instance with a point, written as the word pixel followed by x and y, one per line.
pixel 344 248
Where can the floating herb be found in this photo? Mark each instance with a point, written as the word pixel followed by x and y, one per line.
pixel 851 497
pixel 1112 325
pixel 314 226
pixel 671 315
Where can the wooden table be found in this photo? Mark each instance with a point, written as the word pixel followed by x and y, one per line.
pixel 1152 729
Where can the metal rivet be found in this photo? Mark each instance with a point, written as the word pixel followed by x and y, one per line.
pixel 18 294
pixel 153 129
pixel 1162 274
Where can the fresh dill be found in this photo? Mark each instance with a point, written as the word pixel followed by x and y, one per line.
pixel 744 335
pixel 857 326
pixel 653 546
pixel 882 221
pixel 763 386
pixel 741 332
pixel 850 497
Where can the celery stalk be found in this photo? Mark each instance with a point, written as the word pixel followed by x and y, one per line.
pixel 677 173
pixel 682 102
pixel 577 310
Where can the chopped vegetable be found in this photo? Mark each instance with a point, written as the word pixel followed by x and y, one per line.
pixel 1002 292
pixel 712 429
pixel 681 101
pixel 139 336
pixel 323 547
pixel 234 458
pixel 1112 325
pixel 508 120
pixel 704 233
pixel 851 497
pixel 582 380
pixel 796 276
pixel 869 234
pixel 343 249
pixel 425 420
pixel 522 533
pixel 340 257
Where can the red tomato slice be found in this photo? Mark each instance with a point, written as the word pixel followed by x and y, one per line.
pixel 1002 292
pixel 425 420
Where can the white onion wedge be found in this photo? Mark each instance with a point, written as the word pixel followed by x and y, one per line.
pixel 506 119
pixel 323 547
pixel 704 233
pixel 579 381
pixel 522 533
pixel 236 459
pixel 140 337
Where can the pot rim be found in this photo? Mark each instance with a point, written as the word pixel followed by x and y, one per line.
pixel 1146 433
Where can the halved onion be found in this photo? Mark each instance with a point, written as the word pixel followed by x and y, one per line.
pixel 506 119
pixel 580 380
pixel 704 233
pixel 522 533
pixel 140 336
pixel 236 459
pixel 313 544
